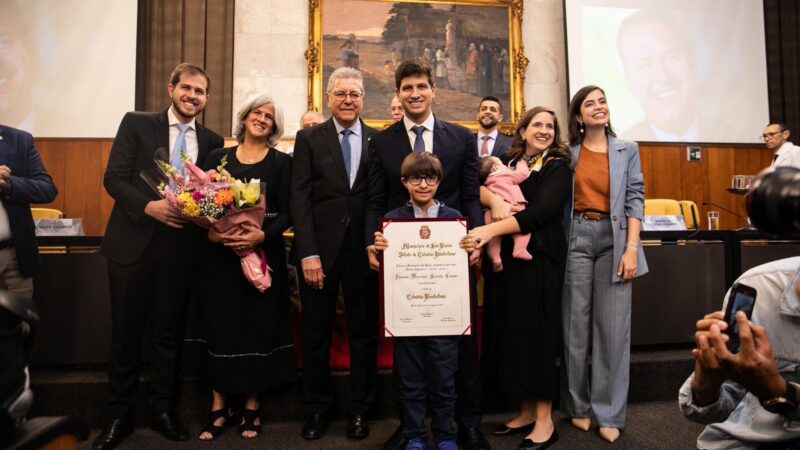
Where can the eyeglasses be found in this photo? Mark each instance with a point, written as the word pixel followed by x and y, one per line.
pixel 430 180
pixel 340 96
pixel 771 135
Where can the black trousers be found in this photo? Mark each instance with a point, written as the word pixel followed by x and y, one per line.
pixel 154 289
pixel 351 272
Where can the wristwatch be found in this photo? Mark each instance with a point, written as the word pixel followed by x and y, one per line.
pixel 784 404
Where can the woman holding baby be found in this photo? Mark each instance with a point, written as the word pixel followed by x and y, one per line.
pixel 529 286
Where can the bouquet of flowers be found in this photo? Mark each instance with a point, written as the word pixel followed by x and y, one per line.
pixel 215 200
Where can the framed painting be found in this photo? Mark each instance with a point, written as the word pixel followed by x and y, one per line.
pixel 474 48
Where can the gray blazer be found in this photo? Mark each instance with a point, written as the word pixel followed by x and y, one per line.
pixel 627 197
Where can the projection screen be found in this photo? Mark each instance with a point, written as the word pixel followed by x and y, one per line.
pixel 673 71
pixel 67 67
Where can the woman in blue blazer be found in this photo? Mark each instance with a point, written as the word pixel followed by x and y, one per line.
pixel 602 223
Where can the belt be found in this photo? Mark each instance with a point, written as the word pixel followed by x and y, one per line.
pixel 8 243
pixel 591 215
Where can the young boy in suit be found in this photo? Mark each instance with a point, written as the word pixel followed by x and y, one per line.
pixel 425 366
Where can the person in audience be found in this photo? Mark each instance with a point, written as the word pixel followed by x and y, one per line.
pixel 454 145
pixel 528 339
pixel 750 399
pixel 311 118
pixel 327 204
pixel 396 109
pixel 602 224
pixel 150 254
pixel 776 139
pixel 23 180
pixel 425 366
pixel 247 338
pixel 491 142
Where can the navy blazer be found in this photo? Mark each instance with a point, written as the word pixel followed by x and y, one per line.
pixel 454 145
pixel 30 183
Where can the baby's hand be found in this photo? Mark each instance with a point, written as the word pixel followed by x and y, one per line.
pixel 467 243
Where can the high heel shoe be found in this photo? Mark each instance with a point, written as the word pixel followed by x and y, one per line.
pixel 582 423
pixel 609 434
pixel 249 417
pixel 212 428
pixel 528 444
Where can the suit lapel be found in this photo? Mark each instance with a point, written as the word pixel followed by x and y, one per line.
pixel 616 169
pixel 331 139
pixel 202 143
pixel 162 133
pixel 401 137
pixel 440 137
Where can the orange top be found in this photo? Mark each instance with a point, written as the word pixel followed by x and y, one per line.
pixel 591 182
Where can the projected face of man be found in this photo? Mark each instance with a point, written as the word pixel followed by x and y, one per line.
pixel 17 66
pixel 661 75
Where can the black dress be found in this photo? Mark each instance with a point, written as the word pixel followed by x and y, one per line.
pixel 527 337
pixel 244 337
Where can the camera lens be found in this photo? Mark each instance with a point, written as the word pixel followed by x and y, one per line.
pixel 773 204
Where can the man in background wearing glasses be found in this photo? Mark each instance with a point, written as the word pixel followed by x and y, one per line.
pixel 328 200
pixel 776 138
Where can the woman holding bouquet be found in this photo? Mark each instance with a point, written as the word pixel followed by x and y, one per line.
pixel 247 334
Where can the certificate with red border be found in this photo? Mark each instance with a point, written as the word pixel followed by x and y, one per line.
pixel 425 278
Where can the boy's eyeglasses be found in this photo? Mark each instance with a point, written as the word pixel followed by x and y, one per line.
pixel 430 180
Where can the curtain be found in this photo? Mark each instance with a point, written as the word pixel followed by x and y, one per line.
pixel 195 31
pixel 782 26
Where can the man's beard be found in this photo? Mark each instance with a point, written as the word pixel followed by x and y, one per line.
pixel 492 123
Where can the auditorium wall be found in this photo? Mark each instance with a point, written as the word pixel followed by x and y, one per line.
pixel 270 37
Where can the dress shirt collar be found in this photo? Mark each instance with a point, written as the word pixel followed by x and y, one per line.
pixel 492 135
pixel 428 123
pixel 355 128
pixel 173 119
pixel 433 211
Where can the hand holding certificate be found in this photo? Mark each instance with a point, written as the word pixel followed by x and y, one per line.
pixel 425 276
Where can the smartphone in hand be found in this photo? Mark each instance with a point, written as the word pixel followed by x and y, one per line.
pixel 742 298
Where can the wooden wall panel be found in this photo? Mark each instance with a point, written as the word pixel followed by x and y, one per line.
pixel 77 167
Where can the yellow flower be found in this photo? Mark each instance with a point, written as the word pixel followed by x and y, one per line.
pixel 246 194
pixel 190 208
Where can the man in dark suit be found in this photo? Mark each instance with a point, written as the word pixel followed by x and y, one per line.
pixel 490 141
pixel 329 192
pixel 23 180
pixel 454 145
pixel 150 254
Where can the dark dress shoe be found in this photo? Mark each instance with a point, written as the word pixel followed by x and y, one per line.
pixel 113 434
pixel 471 438
pixel 357 427
pixel 169 426
pixel 315 427
pixel 397 441
pixel 505 430
pixel 528 444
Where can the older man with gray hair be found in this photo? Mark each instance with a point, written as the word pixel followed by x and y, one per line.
pixel 328 201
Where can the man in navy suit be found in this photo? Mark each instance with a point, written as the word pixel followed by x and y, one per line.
pixel 150 255
pixel 23 180
pixel 454 145
pixel 490 141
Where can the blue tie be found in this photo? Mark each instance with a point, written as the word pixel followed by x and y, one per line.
pixel 346 151
pixel 419 144
pixel 180 144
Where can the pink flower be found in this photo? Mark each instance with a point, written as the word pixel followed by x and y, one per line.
pixel 197 196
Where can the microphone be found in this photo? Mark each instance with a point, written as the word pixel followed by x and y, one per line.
pixel 705 203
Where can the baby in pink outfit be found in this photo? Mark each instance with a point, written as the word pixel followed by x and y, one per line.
pixel 504 182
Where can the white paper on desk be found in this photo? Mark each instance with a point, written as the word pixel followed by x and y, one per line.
pixel 425 278
pixel 58 227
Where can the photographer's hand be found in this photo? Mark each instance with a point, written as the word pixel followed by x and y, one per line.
pixel 708 373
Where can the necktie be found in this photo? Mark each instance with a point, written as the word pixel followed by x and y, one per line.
pixel 485 146
pixel 180 145
pixel 419 144
pixel 346 151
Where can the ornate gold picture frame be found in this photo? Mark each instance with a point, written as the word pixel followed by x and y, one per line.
pixel 474 48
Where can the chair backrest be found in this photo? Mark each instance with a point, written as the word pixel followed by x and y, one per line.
pixel 661 207
pixel 46 213
pixel 691 215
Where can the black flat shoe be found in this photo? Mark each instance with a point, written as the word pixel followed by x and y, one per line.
pixel 113 434
pixel 169 426
pixel 397 441
pixel 315 427
pixel 357 427
pixel 528 444
pixel 505 430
